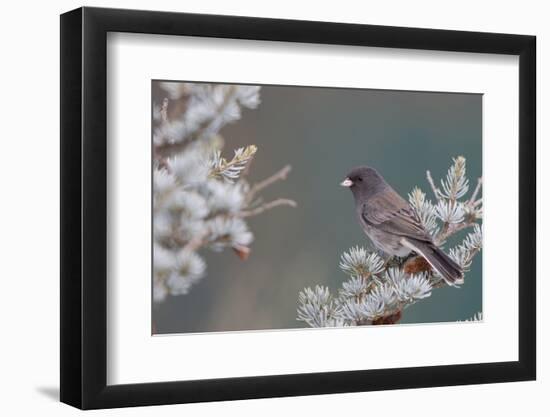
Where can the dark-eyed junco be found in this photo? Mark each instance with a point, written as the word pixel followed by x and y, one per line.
pixel 392 225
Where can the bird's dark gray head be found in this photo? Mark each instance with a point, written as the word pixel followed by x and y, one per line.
pixel 364 182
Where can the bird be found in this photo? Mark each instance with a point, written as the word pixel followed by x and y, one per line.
pixel 393 226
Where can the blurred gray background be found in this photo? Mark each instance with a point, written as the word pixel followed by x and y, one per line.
pixel 323 133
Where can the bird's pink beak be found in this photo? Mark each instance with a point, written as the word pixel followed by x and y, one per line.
pixel 346 183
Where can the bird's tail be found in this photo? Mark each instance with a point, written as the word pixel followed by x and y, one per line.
pixel 450 271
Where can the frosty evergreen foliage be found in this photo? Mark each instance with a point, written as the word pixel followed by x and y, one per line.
pixel 377 291
pixel 475 318
pixel 200 198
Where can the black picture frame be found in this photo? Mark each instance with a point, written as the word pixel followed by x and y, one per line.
pixel 84 207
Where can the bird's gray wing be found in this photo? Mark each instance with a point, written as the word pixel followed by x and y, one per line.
pixel 389 212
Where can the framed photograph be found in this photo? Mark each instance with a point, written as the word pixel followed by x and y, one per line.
pixel 257 208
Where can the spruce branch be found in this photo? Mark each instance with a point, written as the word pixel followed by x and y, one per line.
pixel 208 108
pixel 200 199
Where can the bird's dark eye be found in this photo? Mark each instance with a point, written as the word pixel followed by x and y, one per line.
pixel 360 179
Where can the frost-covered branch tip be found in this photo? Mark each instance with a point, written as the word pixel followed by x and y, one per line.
pixel 475 318
pixel 206 109
pixel 230 170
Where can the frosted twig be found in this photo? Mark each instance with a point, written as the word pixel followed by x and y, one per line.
pixel 196 242
pixel 472 200
pixel 451 230
pixel 435 190
pixel 278 176
pixel 268 206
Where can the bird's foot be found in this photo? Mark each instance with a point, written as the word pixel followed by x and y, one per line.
pixel 392 261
